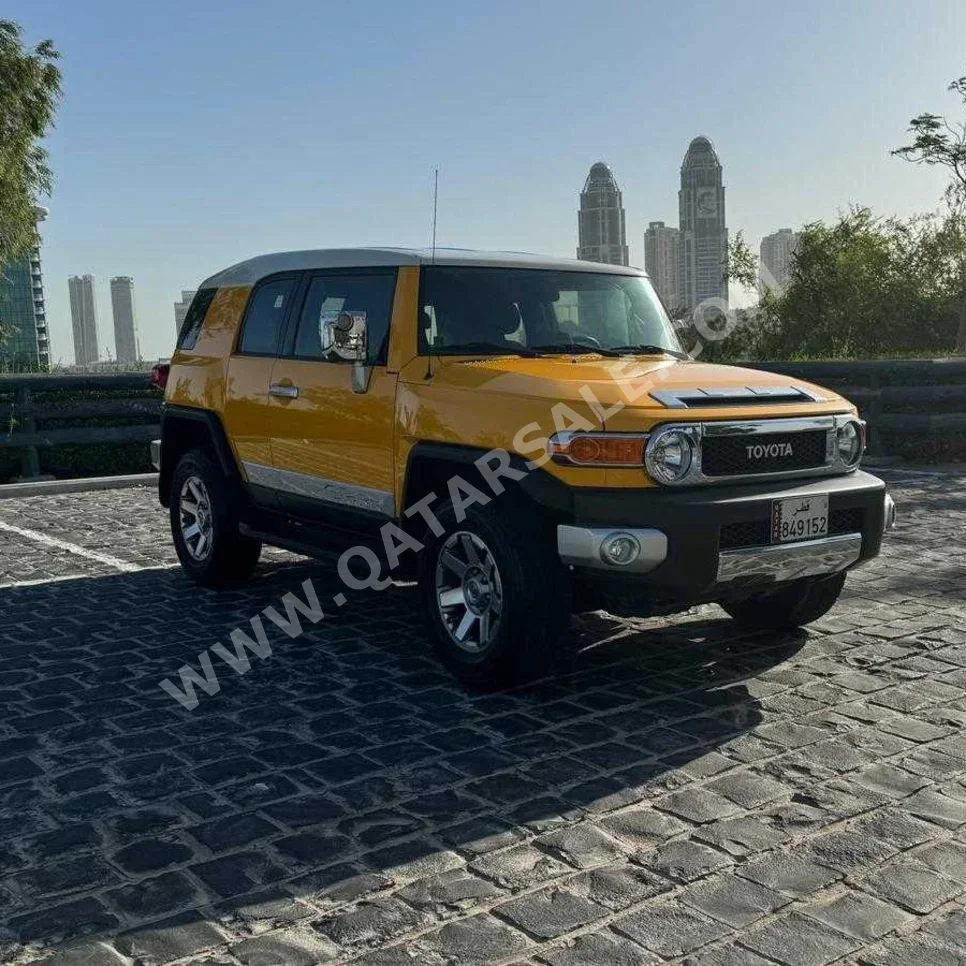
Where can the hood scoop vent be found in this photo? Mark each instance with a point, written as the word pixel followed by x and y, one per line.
pixel 734 396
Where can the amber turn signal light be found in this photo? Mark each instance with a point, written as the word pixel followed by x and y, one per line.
pixel 600 449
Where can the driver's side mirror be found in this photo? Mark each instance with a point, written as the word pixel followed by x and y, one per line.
pixel 344 335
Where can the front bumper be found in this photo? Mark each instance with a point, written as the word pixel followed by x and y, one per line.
pixel 790 561
pixel 698 541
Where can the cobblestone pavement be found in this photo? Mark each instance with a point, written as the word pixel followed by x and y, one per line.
pixel 679 792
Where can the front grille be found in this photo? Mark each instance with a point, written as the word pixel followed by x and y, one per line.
pixel 762 453
pixel 757 533
pixel 845 521
pixel 748 533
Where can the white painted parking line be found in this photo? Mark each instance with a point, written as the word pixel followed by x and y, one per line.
pixel 73 548
pixel 44 580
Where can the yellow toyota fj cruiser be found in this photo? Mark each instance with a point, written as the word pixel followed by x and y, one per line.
pixel 524 434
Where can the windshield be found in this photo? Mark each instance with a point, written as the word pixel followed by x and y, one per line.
pixel 497 311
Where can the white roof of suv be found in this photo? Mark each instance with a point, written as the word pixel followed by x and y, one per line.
pixel 254 269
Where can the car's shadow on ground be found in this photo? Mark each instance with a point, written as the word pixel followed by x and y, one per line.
pixel 343 764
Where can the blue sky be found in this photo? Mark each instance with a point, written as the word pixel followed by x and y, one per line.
pixel 193 134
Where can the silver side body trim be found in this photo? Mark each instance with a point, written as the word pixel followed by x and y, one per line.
pixel 318 488
pixel 580 546
pixel 790 561
pixel 156 454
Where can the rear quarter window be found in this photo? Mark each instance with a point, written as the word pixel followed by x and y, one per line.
pixel 265 317
pixel 191 327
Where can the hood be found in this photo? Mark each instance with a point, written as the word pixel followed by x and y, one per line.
pixel 632 381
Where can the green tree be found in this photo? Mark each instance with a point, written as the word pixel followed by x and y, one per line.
pixel 742 263
pixel 860 287
pixel 864 287
pixel 938 141
pixel 29 93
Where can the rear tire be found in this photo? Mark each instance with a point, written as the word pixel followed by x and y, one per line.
pixel 792 606
pixel 495 595
pixel 204 524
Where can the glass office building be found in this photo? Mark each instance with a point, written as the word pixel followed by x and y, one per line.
pixel 24 342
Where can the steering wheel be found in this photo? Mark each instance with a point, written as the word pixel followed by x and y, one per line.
pixel 582 339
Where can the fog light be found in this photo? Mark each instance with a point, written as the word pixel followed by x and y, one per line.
pixel 889 519
pixel 620 549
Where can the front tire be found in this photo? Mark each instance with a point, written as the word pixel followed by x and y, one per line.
pixel 495 595
pixel 795 605
pixel 204 524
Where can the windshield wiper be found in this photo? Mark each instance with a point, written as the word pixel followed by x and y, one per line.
pixel 648 350
pixel 488 348
pixel 571 348
pixel 580 348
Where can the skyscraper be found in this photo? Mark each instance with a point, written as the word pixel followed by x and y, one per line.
pixel 704 235
pixel 662 258
pixel 601 233
pixel 777 254
pixel 181 309
pixel 83 317
pixel 125 320
pixel 23 315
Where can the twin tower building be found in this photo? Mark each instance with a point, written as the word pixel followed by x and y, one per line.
pixel 687 263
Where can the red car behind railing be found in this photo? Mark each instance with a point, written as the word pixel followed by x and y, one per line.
pixel 159 375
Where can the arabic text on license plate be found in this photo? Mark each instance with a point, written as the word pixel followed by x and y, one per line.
pixel 799 518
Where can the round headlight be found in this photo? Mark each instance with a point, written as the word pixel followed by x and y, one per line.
pixel 849 442
pixel 669 455
pixel 620 549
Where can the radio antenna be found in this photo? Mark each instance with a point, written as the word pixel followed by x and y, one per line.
pixel 435 201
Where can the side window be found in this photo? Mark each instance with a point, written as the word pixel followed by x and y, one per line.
pixel 266 313
pixel 191 327
pixel 328 295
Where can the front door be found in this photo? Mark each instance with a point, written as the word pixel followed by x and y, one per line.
pixel 332 445
pixel 247 410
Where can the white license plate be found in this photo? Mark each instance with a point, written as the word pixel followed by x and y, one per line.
pixel 799 518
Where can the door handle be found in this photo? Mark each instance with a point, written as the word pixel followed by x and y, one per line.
pixel 283 390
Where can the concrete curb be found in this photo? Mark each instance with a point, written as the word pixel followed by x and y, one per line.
pixel 10 491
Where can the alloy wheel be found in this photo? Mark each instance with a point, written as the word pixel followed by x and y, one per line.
pixel 469 592
pixel 194 508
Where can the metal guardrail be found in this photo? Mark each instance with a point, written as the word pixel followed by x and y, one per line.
pixel 28 403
